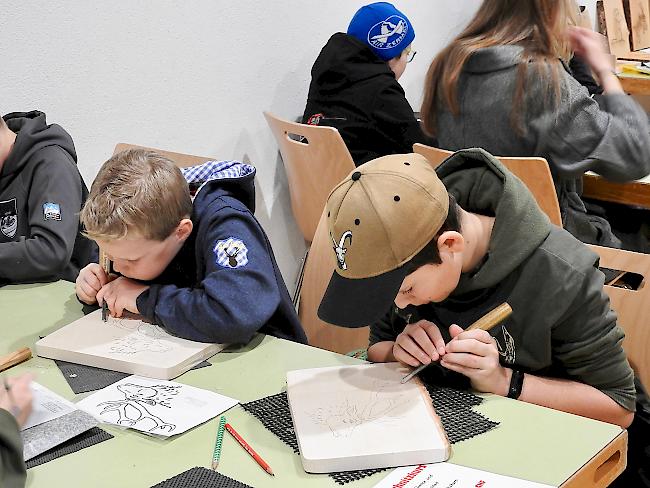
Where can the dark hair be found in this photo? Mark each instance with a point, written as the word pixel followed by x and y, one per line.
pixel 430 254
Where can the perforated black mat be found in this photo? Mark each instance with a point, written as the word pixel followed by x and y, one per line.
pixel 201 478
pixel 87 439
pixel 83 378
pixel 454 407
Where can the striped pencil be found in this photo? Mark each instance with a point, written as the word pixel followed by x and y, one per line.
pixel 217 443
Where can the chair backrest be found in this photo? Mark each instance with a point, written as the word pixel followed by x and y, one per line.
pixel 181 160
pixel 314 167
pixel 533 172
pixel 631 306
pixel 319 267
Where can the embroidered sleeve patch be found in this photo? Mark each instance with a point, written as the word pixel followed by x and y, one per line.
pixel 231 253
pixel 8 217
pixel 51 211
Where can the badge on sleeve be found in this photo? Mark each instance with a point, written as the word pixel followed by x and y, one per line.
pixel 8 217
pixel 51 211
pixel 231 253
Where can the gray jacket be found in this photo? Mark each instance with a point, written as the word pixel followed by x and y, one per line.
pixel 612 139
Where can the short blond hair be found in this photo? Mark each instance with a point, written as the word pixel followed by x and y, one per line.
pixel 136 191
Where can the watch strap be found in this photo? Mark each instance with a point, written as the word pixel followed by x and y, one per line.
pixel 516 384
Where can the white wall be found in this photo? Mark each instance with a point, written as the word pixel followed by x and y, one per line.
pixel 190 77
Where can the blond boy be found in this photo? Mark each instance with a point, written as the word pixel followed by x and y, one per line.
pixel 203 269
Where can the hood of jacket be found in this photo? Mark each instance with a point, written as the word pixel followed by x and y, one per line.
pixel 494 58
pixel 481 184
pixel 33 134
pixel 217 179
pixel 344 61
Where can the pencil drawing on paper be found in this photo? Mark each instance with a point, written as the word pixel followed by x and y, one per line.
pixel 145 338
pixel 133 410
pixel 345 415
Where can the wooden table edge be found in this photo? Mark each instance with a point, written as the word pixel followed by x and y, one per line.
pixel 603 468
pixel 632 193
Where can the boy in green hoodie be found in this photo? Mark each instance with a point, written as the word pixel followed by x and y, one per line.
pixel 442 250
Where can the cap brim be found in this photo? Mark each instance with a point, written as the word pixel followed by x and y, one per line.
pixel 359 302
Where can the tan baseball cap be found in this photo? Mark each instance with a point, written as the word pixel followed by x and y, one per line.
pixel 379 217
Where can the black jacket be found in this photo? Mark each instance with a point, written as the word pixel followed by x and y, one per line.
pixel 41 194
pixel 355 91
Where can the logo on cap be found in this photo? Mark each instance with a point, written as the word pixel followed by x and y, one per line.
pixel 388 33
pixel 340 250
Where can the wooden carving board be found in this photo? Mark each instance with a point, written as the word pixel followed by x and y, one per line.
pixel 640 24
pixel 127 345
pixel 362 417
pixel 617 32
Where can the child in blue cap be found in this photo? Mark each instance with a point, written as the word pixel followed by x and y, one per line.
pixel 354 85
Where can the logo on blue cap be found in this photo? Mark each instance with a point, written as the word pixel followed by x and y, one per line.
pixel 388 33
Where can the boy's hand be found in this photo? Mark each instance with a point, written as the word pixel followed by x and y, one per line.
pixel 474 354
pixel 91 279
pixel 16 397
pixel 419 343
pixel 121 294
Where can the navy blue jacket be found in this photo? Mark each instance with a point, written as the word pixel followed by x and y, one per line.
pixel 224 284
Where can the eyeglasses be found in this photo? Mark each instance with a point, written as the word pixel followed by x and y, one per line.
pixel 410 55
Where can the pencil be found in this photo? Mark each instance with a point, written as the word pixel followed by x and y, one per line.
pixel 15 358
pixel 106 264
pixel 263 464
pixel 492 318
pixel 217 443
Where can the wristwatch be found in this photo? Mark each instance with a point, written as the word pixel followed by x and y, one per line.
pixel 516 384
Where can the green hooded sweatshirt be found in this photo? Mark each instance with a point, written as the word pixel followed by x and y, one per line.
pixel 562 325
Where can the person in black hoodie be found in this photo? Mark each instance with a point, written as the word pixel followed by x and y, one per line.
pixel 41 194
pixel 354 85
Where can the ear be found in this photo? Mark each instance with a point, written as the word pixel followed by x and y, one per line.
pixel 451 242
pixel 183 230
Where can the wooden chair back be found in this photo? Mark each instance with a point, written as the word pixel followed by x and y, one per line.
pixel 631 306
pixel 533 172
pixel 181 160
pixel 315 159
pixel 319 267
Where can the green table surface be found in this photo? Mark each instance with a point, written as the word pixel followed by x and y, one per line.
pixel 532 442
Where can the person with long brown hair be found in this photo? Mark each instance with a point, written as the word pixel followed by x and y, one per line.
pixel 502 84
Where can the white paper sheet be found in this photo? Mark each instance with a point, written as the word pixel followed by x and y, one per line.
pixel 157 407
pixel 442 475
pixel 46 406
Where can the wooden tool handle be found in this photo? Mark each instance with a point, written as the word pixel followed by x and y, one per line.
pixel 492 318
pixel 15 357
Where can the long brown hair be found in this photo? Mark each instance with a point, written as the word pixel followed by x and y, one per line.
pixel 536 25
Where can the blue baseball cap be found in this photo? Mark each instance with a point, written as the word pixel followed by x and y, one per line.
pixel 386 30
